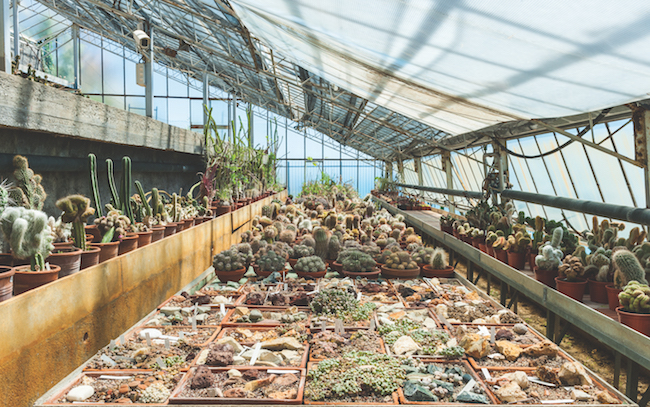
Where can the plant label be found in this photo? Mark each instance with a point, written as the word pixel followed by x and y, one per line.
pixel 112 345
pixel 486 373
pixel 256 353
pixel 193 323
pixel 222 309
pixel 492 334
pixel 323 326
pixel 111 377
pixel 372 325
pixel 122 341
pixel 108 361
pixel 181 335
pixel 359 295
pixel 338 326
pixel 196 308
pixel 160 362
pixel 167 345
pixel 483 331
pixel 286 286
pixel 148 338
pixel 469 386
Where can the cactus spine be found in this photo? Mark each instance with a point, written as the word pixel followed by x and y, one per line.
pixel 94 185
pixel 28 235
pixel 155 202
pixel 439 259
pixel 111 184
pixel 176 213
pixel 30 193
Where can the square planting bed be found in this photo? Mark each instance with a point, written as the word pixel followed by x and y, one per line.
pixel 265 317
pixel 240 385
pixel 328 344
pixel 206 315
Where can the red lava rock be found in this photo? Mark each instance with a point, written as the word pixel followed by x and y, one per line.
pixel 301 299
pixel 220 355
pixel 250 374
pixel 202 378
pixel 278 299
pixel 124 388
pixel 255 299
pixel 202 300
pixel 235 393
pixel 504 334
pixel 286 379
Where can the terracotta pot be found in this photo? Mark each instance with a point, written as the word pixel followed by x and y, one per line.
pixel 430 272
pixel 546 277
pixel 612 296
pixel 68 259
pixel 6 285
pixel 220 210
pixel 292 262
pixel 490 250
pixel 94 231
pixel 638 322
pixel 455 233
pixel 387 272
pixel 108 250
pixel 261 273
pixel 597 291
pixel 531 259
pixel 573 289
pixel 234 275
pixel 516 260
pixel 63 245
pixel 338 267
pixel 365 274
pixel 501 255
pixel 201 219
pixel 188 223
pixel 319 274
pixel 90 257
pixel 482 247
pixel 170 228
pixel 158 232
pixel 128 244
pixel 144 238
pixel 6 259
pixel 25 280
pixel 477 241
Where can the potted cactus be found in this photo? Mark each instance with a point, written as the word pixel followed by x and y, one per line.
pixel 438 266
pixel 517 248
pixel 270 262
pixel 298 252
pixel 311 267
pixel 112 227
pixel 499 249
pixel 626 268
pixel 30 238
pixel 400 265
pixel 229 265
pixel 570 280
pixel 549 259
pixel 422 255
pixel 635 307
pixel 490 238
pixel 356 263
pixel 599 273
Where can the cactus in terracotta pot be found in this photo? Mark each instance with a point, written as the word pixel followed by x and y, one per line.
pixel 228 260
pixel 321 238
pixel 357 262
pixel 439 259
pixel 628 268
pixel 76 210
pixel 310 264
pixel 299 251
pixel 28 234
pixel 550 256
pixel 271 261
pixel 635 297
pixel 571 268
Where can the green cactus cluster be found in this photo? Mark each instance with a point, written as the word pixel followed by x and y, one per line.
pixel 113 226
pixel 29 192
pixel 299 251
pixel 271 261
pixel 422 255
pixel 439 259
pixel 76 210
pixel 321 239
pixel 518 243
pixel 356 261
pixel 287 236
pixel 635 297
pixel 551 255
pixel 310 264
pixel 333 247
pixel 571 268
pixel 28 234
pixel 401 260
pixel 228 260
pixel 628 268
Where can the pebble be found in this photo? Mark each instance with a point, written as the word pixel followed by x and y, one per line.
pixel 153 333
pixel 124 388
pixel 80 393
pixel 520 329
pixel 234 373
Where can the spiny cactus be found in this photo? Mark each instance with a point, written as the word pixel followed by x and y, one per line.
pixel 572 268
pixel 29 192
pixel 333 248
pixel 628 268
pixel 299 251
pixel 61 231
pixel 310 264
pixel 270 233
pixel 287 236
pixel 518 243
pixel 400 260
pixel 94 184
pixel 321 238
pixel 76 210
pixel 635 297
pixel 549 258
pixel 439 259
pixel 422 255
pixel 271 261
pixel 357 262
pixel 113 226
pixel 111 185
pixel 228 260
pixel 143 199
pixel 28 235
pixel 308 240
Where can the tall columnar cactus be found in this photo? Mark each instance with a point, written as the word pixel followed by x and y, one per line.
pixel 635 297
pixel 143 198
pixel 321 239
pixel 94 184
pixel 538 234
pixel 176 209
pixel 76 210
pixel 125 199
pixel 115 198
pixel 439 259
pixel 29 192
pixel 628 268
pixel 28 235
pixel 156 203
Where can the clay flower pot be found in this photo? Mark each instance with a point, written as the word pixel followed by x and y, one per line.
pixel 144 238
pixel 292 262
pixel 597 291
pixel 128 243
pixel 6 285
pixel 108 250
pixel 222 209
pixel 364 274
pixel 235 275
pixel 170 229
pixel 490 250
pixel 612 296
pixel 157 233
pixel 94 231
pixel 201 219
pixel 531 259
pixel 636 321
pixel 6 259
pixel 501 255
pixel 516 260
pixel 319 274
pixel 546 277
pixel 90 257
pixel 25 279
pixel 67 258
pixel 338 267
pixel 573 289
pixel 409 274
pixel 482 247
pixel 430 272
pixel 188 223
pixel 63 245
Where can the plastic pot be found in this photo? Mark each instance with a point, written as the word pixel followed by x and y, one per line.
pixel 6 284
pixel 430 272
pixel 597 291
pixel 144 238
pixel 546 277
pixel 107 250
pixel 128 244
pixel 409 274
pixel 67 258
pixel 25 279
pixel 638 322
pixel 90 257
pixel 516 260
pixel 612 296
pixel 573 289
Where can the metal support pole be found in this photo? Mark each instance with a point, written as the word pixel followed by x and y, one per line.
pixel 632 380
pixel 502 167
pixel 5 47
pixel 418 170
pixel 230 100
pixel 641 121
pixel 389 171
pixel 447 167
pixel 148 76
pixel 16 29
pixel 206 97
pixel 75 58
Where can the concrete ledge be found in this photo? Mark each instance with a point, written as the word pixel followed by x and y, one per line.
pixel 33 106
pixel 48 332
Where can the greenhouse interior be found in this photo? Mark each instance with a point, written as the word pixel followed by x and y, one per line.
pixel 288 202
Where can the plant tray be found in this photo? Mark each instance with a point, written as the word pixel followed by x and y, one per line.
pixel 230 318
pixel 380 343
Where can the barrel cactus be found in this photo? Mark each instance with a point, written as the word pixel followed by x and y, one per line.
pixel 299 251
pixel 357 262
pixel 310 264
pixel 401 260
pixel 228 260
pixel 628 268
pixel 635 297
pixel 271 261
pixel 422 255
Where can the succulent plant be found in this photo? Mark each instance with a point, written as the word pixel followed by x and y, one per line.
pixel 333 302
pixel 518 243
pixel 401 260
pixel 333 248
pixel 439 259
pixel 628 268
pixel 287 236
pixel 422 255
pixel 572 268
pixel 246 253
pixel 299 251
pixel 113 226
pixel 76 210
pixel 271 261
pixel 228 260
pixel 635 297
pixel 321 238
pixel 29 192
pixel 270 233
pixel 28 235
pixel 550 256
pixel 357 262
pixel 310 264
pixel 61 231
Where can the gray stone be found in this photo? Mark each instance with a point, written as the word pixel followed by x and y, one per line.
pixel 520 329
pixel 231 341
pixel 283 343
pixel 255 316
pixel 170 310
pixel 469 397
pixel 415 392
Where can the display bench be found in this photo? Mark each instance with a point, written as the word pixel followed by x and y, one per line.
pixel 47 332
pixel 96 373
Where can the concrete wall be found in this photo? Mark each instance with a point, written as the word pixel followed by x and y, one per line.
pixel 48 332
